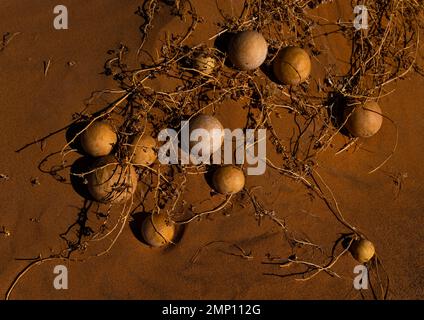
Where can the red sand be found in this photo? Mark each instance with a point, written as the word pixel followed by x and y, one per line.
pixel 32 105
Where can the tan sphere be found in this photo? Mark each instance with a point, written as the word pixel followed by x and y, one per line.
pixel 362 250
pixel 205 64
pixel 364 120
pixel 228 180
pixel 111 182
pixel 157 230
pixel 143 150
pixel 292 65
pixel 215 129
pixel 248 50
pixel 99 139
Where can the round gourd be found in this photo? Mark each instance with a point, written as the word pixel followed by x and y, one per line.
pixel 362 250
pixel 292 65
pixel 364 120
pixel 111 182
pixel 247 50
pixel 215 132
pixel 143 150
pixel 228 180
pixel 205 64
pixel 99 139
pixel 157 230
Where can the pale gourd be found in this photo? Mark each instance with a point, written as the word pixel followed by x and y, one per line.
pixel 98 139
pixel 292 65
pixel 214 138
pixel 143 150
pixel 247 50
pixel 110 181
pixel 363 120
pixel 362 250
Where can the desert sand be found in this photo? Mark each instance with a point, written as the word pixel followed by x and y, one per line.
pixel 36 207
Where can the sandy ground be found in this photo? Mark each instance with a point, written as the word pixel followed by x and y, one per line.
pixel 33 105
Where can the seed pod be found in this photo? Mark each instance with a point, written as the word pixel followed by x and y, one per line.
pixel 213 127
